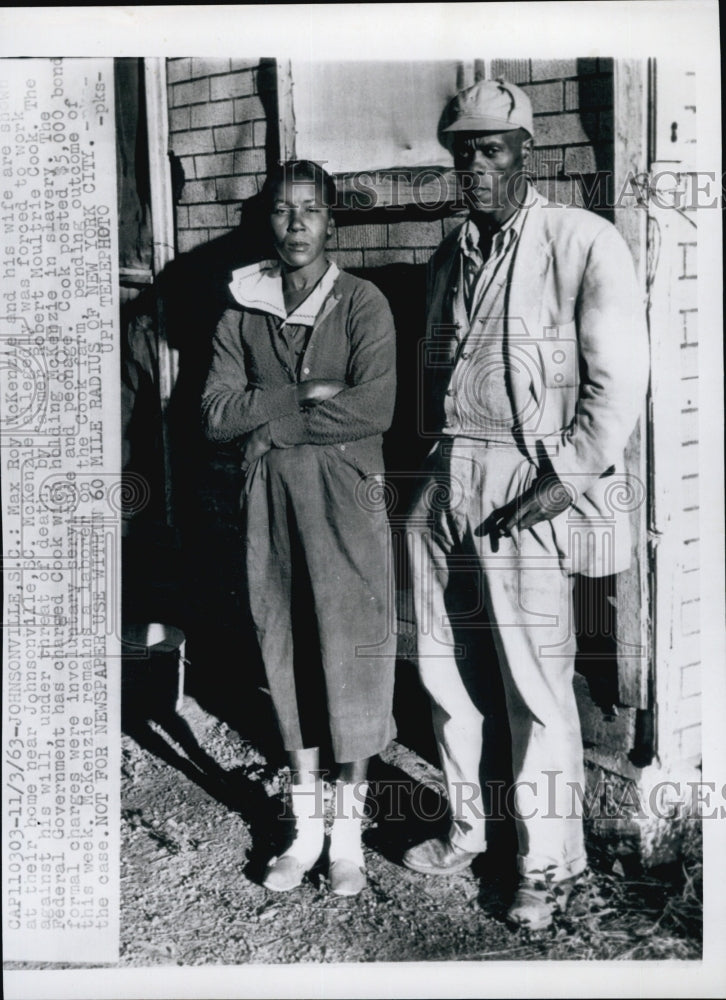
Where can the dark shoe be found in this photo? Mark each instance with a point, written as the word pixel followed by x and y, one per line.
pixel 346 878
pixel 535 903
pixel 438 857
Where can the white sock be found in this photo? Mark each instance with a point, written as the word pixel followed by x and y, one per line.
pixel 308 807
pixel 345 836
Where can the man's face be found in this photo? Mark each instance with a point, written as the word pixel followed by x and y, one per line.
pixel 301 223
pixel 490 169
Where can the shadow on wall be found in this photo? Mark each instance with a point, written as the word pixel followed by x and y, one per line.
pixel 192 576
pixel 595 100
pixel 189 576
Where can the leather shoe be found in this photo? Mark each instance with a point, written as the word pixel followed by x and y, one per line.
pixel 438 856
pixel 535 903
pixel 346 878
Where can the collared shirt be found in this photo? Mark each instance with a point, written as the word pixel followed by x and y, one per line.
pixel 259 287
pixel 477 273
pixel 251 382
pixel 478 402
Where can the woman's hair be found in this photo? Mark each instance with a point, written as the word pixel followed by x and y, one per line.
pixel 300 171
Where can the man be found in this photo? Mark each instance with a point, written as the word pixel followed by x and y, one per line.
pixel 535 369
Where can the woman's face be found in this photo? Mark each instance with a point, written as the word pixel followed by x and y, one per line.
pixel 301 223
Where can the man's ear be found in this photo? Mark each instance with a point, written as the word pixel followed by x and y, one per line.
pixel 331 225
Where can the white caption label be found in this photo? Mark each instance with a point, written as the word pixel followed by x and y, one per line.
pixel 61 496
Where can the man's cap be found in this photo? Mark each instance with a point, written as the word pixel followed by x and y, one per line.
pixel 489 106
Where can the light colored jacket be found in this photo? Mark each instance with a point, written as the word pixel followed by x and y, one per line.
pixel 575 323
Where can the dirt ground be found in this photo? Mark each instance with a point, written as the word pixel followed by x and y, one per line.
pixel 203 794
pixel 196 839
pixel 202 811
pixel 203 801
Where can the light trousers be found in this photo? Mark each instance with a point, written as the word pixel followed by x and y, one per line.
pixel 514 588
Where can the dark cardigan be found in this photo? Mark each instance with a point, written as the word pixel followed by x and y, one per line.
pixel 352 340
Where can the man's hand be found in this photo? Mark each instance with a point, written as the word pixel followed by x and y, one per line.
pixel 257 443
pixel 316 390
pixel 545 499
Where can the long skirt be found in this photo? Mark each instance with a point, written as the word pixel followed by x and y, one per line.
pixel 321 592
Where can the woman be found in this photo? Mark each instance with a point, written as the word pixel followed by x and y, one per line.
pixel 303 376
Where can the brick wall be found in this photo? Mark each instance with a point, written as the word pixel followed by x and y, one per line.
pixel 219 132
pixel 221 126
pixel 218 126
pixel 572 101
pixel 573 120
